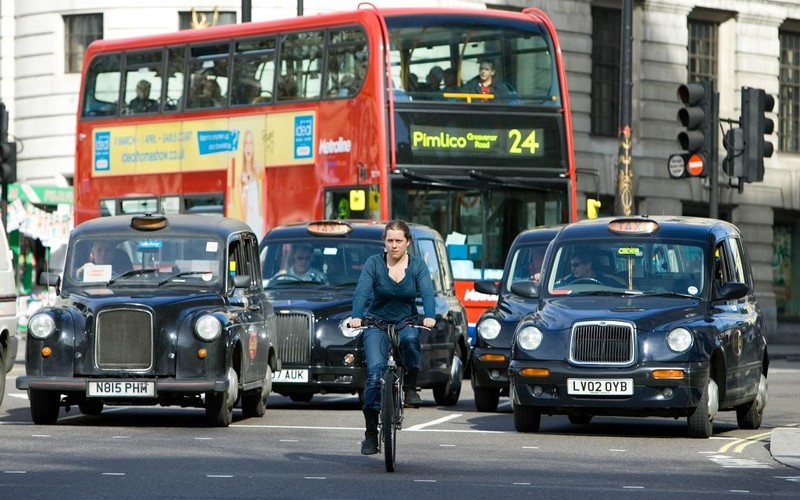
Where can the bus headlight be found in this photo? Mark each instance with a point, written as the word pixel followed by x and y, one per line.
pixel 208 327
pixel 529 338
pixel 679 339
pixel 41 326
pixel 489 328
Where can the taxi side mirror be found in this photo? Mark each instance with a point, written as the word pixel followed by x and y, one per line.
pixel 525 288
pixel 241 281
pixel 489 287
pixel 731 290
pixel 51 279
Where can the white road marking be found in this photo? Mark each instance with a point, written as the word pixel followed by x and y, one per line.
pixel 15 472
pixel 521 484
pixel 530 447
pixel 112 473
pixel 40 435
pixel 203 439
pixel 424 480
pixel 289 440
pixel 120 437
pixel 633 487
pixel 222 476
pixel 793 479
pixel 739 491
pixel 737 463
pixel 307 427
pixel 447 445
pixel 18 395
pixel 315 477
pixel 617 450
pixel 438 421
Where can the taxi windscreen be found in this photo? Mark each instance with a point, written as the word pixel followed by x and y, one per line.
pixel 321 261
pixel 631 266
pixel 114 259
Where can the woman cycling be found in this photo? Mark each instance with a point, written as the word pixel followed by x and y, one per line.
pixel 386 292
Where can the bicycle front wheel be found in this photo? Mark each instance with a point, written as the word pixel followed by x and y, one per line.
pixel 388 427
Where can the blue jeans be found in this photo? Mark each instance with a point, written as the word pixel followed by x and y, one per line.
pixel 376 350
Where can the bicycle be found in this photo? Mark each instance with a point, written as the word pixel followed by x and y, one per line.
pixel 390 419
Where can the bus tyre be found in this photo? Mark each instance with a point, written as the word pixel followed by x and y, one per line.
pixel 254 402
pixel 219 405
pixel 701 420
pixel 447 394
pixel 749 415
pixel 486 398
pixel 526 419
pixel 44 406
pixel 91 407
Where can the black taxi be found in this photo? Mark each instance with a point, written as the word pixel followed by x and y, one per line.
pixel 310 273
pixel 642 316
pixel 495 327
pixel 154 309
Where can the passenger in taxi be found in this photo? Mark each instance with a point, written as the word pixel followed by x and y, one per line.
pixel 104 253
pixel 300 266
pixel 585 270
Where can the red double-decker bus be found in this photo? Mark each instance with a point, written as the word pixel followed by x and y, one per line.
pixel 368 114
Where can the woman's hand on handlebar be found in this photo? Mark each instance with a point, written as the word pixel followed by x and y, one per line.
pixel 355 323
pixel 428 322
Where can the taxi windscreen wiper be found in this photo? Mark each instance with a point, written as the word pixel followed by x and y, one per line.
pixel 670 294
pixel 178 275
pixel 132 272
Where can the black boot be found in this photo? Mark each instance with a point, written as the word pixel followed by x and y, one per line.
pixel 370 444
pixel 410 394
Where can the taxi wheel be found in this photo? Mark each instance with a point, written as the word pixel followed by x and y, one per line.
pixel 2 374
pixel 749 415
pixel 701 421
pixel 580 418
pixel 91 407
pixel 44 406
pixel 486 399
pixel 526 419
pixel 447 394
pixel 254 403
pixel 219 405
pixel 301 397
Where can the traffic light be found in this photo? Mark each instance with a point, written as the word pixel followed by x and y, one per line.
pixel 699 118
pixel 754 123
pixel 8 162
pixel 734 148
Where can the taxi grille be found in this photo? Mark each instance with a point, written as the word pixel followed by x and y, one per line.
pixel 124 340
pixel 607 342
pixel 294 337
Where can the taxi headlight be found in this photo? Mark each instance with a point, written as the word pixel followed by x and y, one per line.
pixel 489 328
pixel 679 339
pixel 208 327
pixel 529 338
pixel 347 331
pixel 41 326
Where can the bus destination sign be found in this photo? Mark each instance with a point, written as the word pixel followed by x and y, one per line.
pixel 456 141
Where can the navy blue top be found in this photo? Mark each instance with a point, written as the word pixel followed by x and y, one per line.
pixel 392 301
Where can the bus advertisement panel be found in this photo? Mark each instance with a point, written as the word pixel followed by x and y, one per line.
pixel 454 118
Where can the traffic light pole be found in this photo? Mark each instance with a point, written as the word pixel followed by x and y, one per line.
pixel 713 197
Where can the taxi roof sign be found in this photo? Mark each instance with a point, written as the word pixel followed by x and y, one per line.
pixel 149 222
pixel 330 228
pixel 633 226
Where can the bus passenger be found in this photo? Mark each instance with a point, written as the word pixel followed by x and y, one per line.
pixel 485 83
pixel 287 88
pixel 434 79
pixel 450 80
pixel 142 102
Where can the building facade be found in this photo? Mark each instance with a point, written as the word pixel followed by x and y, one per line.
pixel 735 43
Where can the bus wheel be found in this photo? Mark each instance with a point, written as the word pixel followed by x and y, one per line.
pixel 44 406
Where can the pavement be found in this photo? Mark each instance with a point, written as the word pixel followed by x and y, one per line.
pixel 784 441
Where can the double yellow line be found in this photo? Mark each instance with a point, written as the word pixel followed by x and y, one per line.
pixel 737 445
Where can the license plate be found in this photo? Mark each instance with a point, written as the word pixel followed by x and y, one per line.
pixel 121 388
pixel 291 376
pixel 600 386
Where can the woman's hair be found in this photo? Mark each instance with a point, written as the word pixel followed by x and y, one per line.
pixel 397 225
